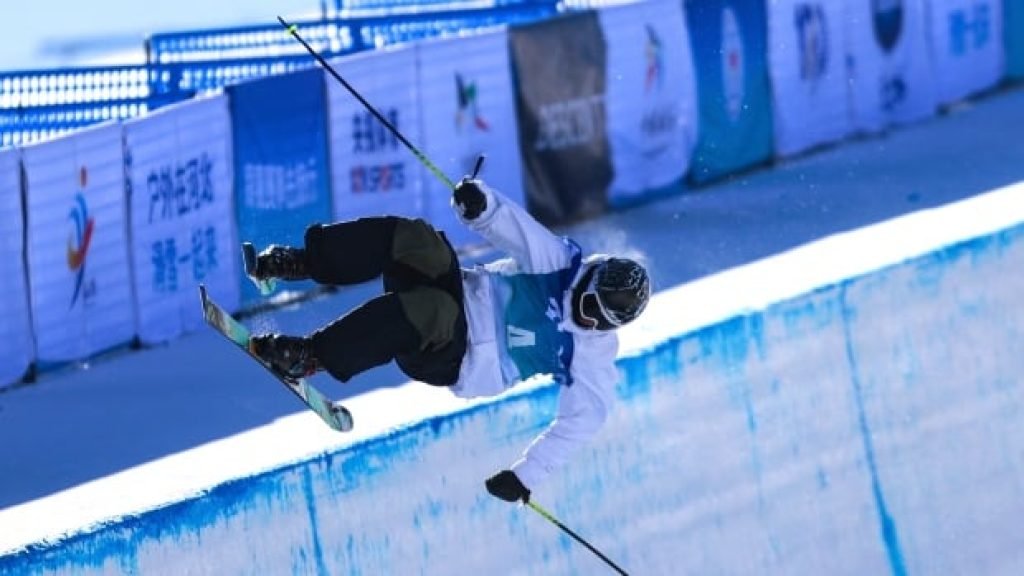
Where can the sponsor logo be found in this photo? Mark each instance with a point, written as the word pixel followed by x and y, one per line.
pixel 553 311
pixel 970 28
pixel 654 56
pixel 468 108
pixel 812 40
pixel 520 337
pixel 79 238
pixel 733 64
pixel 887 18
pixel 661 118
pixel 569 123
pixel 894 92
pixel 370 137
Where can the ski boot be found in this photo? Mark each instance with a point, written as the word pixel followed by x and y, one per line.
pixel 273 263
pixel 290 357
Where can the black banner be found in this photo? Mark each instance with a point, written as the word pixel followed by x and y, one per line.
pixel 559 69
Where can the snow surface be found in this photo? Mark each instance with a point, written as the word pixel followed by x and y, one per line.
pixel 150 406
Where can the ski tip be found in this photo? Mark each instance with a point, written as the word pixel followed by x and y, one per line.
pixel 202 293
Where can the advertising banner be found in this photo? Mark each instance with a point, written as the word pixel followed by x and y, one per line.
pixel 281 170
pixel 1014 34
pixel 81 289
pixel 560 68
pixel 373 173
pixel 967 44
pixel 891 79
pixel 15 329
pixel 729 40
pixel 181 214
pixel 807 60
pixel 651 97
pixel 468 110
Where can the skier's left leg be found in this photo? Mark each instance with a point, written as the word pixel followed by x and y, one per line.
pixel 369 335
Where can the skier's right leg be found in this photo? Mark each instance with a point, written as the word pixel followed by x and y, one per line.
pixel 347 252
pixel 355 251
pixel 276 261
pixel 359 250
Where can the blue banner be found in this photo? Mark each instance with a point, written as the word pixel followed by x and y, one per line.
pixel 734 105
pixel 1014 32
pixel 282 178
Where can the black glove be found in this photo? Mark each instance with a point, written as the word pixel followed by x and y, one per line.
pixel 469 198
pixel 506 485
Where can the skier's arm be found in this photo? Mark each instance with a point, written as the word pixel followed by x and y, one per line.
pixel 582 410
pixel 509 227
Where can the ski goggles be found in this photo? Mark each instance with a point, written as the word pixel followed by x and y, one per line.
pixel 593 310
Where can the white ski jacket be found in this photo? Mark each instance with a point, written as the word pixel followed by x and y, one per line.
pixel 519 317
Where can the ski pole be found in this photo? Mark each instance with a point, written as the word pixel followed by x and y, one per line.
pixel 547 515
pixel 294 31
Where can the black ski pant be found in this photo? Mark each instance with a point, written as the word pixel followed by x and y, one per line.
pixel 418 321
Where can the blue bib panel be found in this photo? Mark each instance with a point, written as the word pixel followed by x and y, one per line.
pixel 528 309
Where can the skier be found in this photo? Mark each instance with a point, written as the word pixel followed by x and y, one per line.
pixel 477 331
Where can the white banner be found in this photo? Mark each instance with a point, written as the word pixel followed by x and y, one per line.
pixel 15 329
pixel 373 173
pixel 182 217
pixel 468 110
pixel 650 99
pixel 807 61
pixel 967 42
pixel 77 244
pixel 891 75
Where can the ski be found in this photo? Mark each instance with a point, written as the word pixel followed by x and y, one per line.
pixel 334 414
pixel 266 287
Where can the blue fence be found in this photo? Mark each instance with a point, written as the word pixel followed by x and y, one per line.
pixel 36 105
pixel 335 36
pixel 40 104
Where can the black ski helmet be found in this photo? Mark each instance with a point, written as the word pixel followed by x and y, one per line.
pixel 618 291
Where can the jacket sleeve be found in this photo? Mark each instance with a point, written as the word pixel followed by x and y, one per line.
pixel 582 410
pixel 510 228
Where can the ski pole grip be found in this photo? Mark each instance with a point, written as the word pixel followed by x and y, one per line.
pixel 476 168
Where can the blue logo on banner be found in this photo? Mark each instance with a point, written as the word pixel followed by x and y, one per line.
pixel 812 34
pixel 654 75
pixel 733 69
pixel 80 240
pixel 371 137
pixel 970 28
pixel 730 43
pixel 887 16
